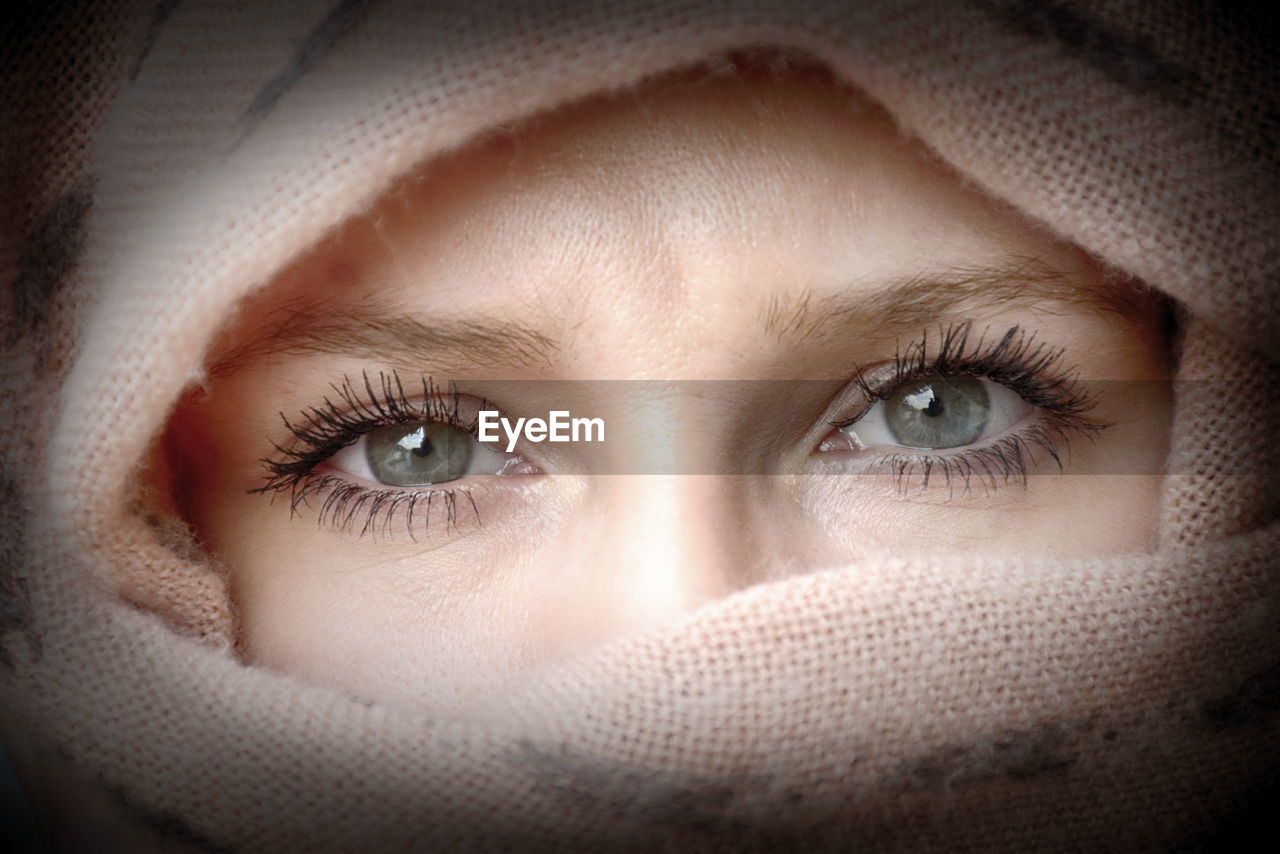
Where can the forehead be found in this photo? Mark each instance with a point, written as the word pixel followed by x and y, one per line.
pixel 701 206
pixel 773 169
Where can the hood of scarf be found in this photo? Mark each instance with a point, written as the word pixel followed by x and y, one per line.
pixel 168 160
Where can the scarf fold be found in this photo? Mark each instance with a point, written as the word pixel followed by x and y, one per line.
pixel 195 148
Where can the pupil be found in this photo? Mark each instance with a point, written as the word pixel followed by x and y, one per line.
pixel 423 449
pixel 934 407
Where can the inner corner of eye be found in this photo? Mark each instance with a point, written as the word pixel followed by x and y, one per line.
pixel 843 438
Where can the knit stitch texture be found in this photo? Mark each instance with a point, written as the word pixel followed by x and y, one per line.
pixel 161 161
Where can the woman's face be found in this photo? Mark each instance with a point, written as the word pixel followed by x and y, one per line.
pixel 806 342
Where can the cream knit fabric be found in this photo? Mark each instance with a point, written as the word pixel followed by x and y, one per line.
pixel 162 160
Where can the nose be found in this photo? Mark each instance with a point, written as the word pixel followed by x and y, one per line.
pixel 658 533
pixel 653 551
pixel 670 555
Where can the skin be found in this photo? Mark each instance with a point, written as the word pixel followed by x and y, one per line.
pixel 661 236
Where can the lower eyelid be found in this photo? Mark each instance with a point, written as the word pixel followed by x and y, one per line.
pixel 1036 443
pixel 340 504
pixel 347 507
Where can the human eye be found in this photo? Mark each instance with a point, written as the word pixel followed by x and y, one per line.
pixel 983 407
pixel 935 412
pixel 374 454
pixel 417 453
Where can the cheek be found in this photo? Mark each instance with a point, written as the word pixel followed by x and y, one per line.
pixel 445 621
pixel 459 619
pixel 452 627
pixel 1062 516
pixel 419 628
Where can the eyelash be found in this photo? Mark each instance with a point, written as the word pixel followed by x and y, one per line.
pixel 324 430
pixel 1017 361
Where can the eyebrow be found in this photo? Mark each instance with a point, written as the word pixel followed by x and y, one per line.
pixel 374 332
pixel 921 299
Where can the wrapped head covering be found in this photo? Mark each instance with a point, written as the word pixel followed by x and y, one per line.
pixel 163 160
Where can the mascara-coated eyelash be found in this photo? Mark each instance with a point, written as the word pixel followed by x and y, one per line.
pixel 322 431
pixel 1015 361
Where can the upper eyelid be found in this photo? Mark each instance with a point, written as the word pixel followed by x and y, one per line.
pixel 1016 359
pixel 357 415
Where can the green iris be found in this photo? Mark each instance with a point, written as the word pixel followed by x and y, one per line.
pixel 417 454
pixel 938 412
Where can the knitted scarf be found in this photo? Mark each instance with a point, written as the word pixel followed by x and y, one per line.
pixel 163 160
